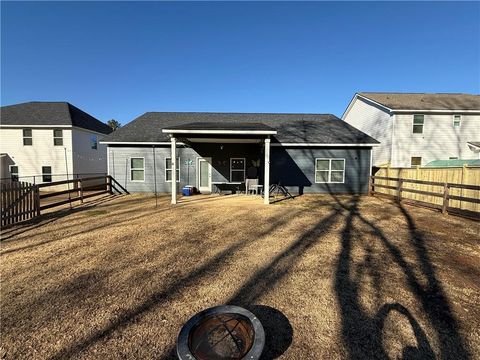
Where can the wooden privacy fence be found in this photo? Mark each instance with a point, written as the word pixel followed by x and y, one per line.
pixel 22 201
pixel 19 202
pixel 465 175
pixel 447 197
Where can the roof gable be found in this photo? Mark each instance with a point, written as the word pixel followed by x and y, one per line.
pixel 50 114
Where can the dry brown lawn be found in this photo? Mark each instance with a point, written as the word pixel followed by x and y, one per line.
pixel 329 277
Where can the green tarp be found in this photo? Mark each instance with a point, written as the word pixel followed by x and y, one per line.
pixel 453 163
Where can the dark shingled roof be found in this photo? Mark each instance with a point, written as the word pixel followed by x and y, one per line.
pixel 409 101
pixel 50 113
pixel 291 128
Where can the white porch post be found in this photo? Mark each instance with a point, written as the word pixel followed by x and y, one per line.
pixel 174 171
pixel 266 176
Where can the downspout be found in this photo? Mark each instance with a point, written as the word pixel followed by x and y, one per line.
pixel 392 116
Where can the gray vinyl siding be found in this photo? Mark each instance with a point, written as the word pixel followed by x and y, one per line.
pixel 295 169
pixel 292 167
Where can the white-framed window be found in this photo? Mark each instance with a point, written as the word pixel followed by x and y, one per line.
pixel 457 120
pixel 93 142
pixel 27 137
pixel 237 169
pixel 415 161
pixel 57 137
pixel 137 169
pixel 329 170
pixel 46 174
pixel 418 121
pixel 168 169
pixel 13 172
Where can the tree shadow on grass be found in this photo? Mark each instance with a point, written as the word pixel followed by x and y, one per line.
pixel 361 332
pixel 162 296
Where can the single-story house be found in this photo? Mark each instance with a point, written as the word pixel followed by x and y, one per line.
pixel 305 153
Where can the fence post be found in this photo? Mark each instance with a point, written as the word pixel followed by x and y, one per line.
pixel 399 189
pixel 445 198
pixel 109 178
pixel 37 199
pixel 370 184
pixel 81 190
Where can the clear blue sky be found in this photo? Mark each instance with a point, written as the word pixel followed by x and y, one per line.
pixel 121 59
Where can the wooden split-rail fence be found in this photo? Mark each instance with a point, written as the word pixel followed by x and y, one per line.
pixel 22 201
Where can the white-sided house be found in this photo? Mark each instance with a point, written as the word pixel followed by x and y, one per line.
pixel 415 129
pixel 44 141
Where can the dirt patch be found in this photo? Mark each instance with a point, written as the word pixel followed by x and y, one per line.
pixel 330 277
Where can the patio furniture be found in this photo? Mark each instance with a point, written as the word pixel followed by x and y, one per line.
pixel 276 189
pixel 256 189
pixel 226 185
pixel 250 183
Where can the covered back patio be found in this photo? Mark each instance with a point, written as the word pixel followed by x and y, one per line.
pixel 229 154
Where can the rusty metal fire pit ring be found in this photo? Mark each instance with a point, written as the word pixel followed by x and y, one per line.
pixel 221 332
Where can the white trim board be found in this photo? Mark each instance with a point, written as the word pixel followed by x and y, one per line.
pixel 324 145
pixel 224 132
pixel 137 143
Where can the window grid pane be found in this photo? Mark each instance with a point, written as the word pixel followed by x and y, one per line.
pixel 321 176
pixel 138 175
pixel 417 129
pixel 168 169
pixel 336 176
pixel 337 164
pixel 323 164
pixel 27 141
pixel 137 163
pixel 418 119
pixel 46 173
pixel 57 141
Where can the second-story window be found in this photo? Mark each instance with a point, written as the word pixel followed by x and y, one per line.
pixel 93 142
pixel 457 120
pixel 58 137
pixel 27 137
pixel 418 124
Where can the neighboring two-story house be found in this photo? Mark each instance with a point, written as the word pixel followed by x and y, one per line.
pixel 415 129
pixel 45 141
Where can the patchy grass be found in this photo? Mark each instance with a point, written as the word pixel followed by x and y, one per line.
pixel 96 212
pixel 330 277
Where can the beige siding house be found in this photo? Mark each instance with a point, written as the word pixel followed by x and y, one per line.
pixel 415 129
pixel 45 141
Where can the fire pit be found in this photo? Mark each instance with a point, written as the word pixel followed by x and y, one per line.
pixel 221 332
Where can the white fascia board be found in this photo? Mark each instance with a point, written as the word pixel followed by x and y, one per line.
pixel 137 143
pixel 324 145
pixel 437 111
pixel 374 102
pixel 36 126
pixel 473 145
pixel 350 104
pixel 223 132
